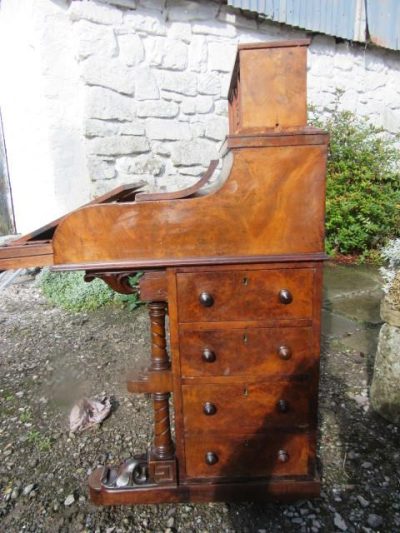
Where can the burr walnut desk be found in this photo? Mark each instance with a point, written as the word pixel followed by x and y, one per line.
pixel 237 267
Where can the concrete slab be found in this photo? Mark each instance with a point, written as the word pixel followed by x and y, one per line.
pixel 364 340
pixel 363 307
pixel 336 326
pixel 340 280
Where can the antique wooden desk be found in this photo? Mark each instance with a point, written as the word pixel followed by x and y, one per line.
pixel 237 267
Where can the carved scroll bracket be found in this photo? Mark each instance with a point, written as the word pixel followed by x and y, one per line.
pixel 118 281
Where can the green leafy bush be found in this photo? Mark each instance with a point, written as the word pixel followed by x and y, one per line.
pixel 69 291
pixel 363 184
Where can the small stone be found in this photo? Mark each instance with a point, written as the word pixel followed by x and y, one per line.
pixel 28 489
pixel 363 502
pixel 15 493
pixel 69 500
pixel 339 522
pixel 374 520
pixel 170 522
pixel 366 465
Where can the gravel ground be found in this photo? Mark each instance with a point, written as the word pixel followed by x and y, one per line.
pixel 49 358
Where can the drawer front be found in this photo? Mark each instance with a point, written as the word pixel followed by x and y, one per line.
pixel 245 295
pixel 251 351
pixel 266 455
pixel 246 407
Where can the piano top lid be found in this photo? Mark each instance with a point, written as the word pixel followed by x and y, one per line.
pixel 268 87
pixel 35 248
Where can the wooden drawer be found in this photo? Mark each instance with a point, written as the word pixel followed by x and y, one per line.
pixel 277 454
pixel 246 407
pixel 245 295
pixel 251 351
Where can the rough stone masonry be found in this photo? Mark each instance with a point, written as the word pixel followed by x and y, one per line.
pixel 136 89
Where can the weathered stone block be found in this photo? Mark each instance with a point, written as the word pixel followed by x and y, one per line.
pixel 214 28
pixel 158 108
pixel 146 87
pixel 385 390
pixel 112 74
pixel 142 164
pixel 389 313
pixel 217 128
pixel 196 152
pixel 166 53
pixel 198 54
pixel 200 105
pixel 100 169
pixel 105 104
pixel 146 21
pixel 180 30
pixel 95 12
pixel 129 4
pixel 209 84
pixel 94 39
pixel 118 145
pixel 179 82
pixel 131 49
pixel 181 10
pixel 170 130
pixel 221 56
pixel 230 15
pixel 221 107
pixel 105 128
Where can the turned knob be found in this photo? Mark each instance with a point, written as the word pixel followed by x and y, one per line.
pixel 208 355
pixel 206 299
pixel 285 296
pixel 284 352
pixel 211 458
pixel 209 409
pixel 283 406
pixel 283 456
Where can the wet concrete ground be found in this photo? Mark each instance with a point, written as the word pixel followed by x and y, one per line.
pixel 350 318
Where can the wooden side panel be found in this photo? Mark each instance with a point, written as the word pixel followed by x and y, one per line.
pixel 271 204
pixel 273 88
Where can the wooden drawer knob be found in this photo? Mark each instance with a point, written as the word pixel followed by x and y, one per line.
pixel 208 355
pixel 284 352
pixel 209 409
pixel 211 458
pixel 283 406
pixel 283 456
pixel 206 299
pixel 285 296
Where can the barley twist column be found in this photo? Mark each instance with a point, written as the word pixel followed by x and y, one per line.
pixel 163 447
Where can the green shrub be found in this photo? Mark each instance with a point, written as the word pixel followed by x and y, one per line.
pixel 69 291
pixel 363 184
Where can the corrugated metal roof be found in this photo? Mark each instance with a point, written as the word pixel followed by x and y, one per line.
pixel 347 19
pixel 384 23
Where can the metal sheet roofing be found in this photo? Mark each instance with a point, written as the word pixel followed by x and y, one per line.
pixel 376 21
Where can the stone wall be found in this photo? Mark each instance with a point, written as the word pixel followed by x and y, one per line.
pixel 150 80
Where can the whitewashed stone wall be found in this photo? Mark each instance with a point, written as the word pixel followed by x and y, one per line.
pixel 150 80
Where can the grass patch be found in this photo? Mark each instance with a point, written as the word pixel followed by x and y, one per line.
pixel 70 291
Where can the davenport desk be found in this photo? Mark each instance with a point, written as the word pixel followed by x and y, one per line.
pixel 236 263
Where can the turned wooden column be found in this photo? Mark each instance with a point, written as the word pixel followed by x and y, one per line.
pixel 163 447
